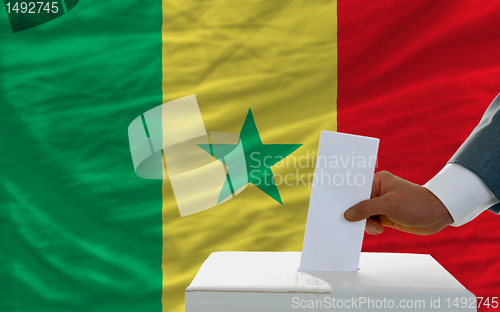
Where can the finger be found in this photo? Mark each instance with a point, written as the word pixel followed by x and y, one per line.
pixel 384 221
pixel 367 208
pixel 414 230
pixel 376 188
pixel 373 226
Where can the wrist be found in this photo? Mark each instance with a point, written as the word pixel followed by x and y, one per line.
pixel 441 216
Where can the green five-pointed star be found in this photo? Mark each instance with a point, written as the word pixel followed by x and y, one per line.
pixel 259 157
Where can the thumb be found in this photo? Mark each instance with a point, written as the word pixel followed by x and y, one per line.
pixel 366 209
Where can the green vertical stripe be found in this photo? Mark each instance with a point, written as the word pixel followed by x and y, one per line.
pixel 79 230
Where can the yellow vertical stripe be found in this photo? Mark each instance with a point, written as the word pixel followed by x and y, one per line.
pixel 278 58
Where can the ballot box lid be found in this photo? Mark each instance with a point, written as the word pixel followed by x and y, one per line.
pixel 278 272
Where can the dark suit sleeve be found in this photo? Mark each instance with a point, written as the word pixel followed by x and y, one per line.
pixel 480 153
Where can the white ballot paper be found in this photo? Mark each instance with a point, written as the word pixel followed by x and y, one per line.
pixel 343 177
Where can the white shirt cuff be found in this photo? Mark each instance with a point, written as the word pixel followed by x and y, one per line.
pixel 462 192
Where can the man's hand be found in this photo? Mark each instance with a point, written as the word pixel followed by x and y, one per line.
pixel 402 205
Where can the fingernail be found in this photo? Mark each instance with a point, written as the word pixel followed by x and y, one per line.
pixel 373 228
pixel 349 215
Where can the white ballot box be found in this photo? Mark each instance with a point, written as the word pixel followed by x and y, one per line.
pixel 271 282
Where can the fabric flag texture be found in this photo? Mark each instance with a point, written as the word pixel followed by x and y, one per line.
pixel 277 59
pixel 419 75
pixel 82 232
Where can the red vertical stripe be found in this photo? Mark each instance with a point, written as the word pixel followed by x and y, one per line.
pixel 418 75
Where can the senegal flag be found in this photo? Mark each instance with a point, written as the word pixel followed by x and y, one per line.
pixel 139 137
